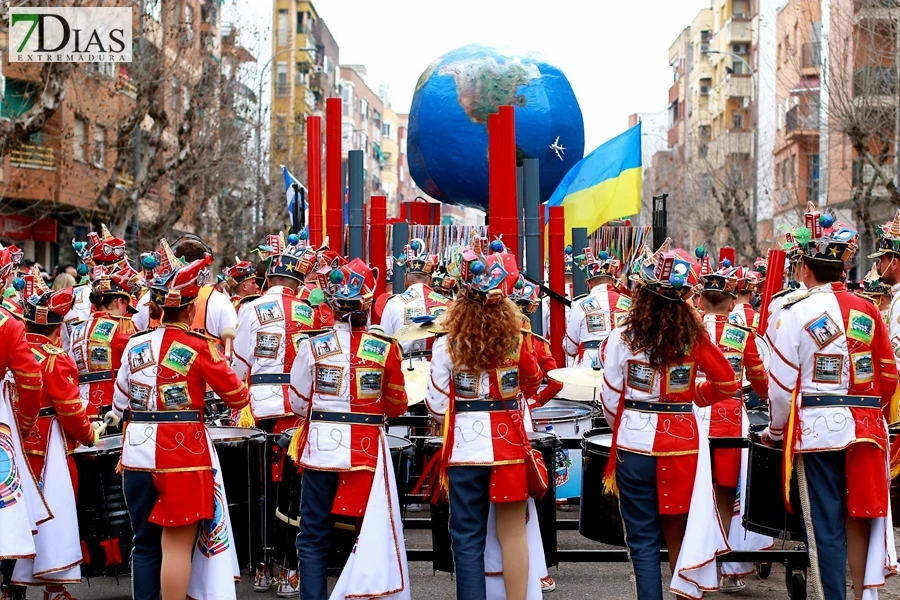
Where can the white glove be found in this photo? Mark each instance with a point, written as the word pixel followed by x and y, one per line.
pixel 110 419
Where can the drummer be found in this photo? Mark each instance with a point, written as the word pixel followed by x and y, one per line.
pixel 419 299
pixel 343 384
pixel 526 295
pixel 269 329
pixel 877 292
pixel 569 270
pixel 659 455
pixel 172 481
pixel 595 315
pixel 728 418
pixel 241 280
pixel 749 283
pixel 888 255
pixel 831 381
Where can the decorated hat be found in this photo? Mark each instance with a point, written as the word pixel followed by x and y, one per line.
pixel 603 265
pixel 415 259
pixel 526 294
pixel 348 287
pixel 872 286
pixel 288 256
pixel 725 279
pixel 178 284
pixel 888 237
pixel 100 249
pixel 665 273
pixel 122 282
pixel 754 277
pixel 10 258
pixel 43 306
pixel 443 282
pixel 485 278
pixel 569 260
pixel 239 272
pixel 822 238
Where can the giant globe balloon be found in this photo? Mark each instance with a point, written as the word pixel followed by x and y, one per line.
pixel 447 144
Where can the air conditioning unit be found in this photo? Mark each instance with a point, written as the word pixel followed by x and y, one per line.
pixel 319 69
pixel 740 48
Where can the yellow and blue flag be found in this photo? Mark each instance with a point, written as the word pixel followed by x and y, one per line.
pixel 602 186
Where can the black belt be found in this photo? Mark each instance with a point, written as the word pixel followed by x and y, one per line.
pixel 344 417
pixel 47 412
pixel 591 344
pixel 659 407
pixel 96 377
pixel 485 405
pixel 821 400
pixel 270 378
pixel 163 416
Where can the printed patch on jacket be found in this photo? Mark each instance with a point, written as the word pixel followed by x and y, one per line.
pixel 733 337
pixel 141 356
pixel 302 313
pixel 679 378
pixel 828 368
pixel 823 330
pixel 860 327
pixel 78 355
pixel 623 303
pixel 329 380
pixel 736 360
pixel 267 344
pixel 78 331
pixel 640 376
pixel 296 338
pixel 268 312
pixel 410 295
pixel 325 345
pixel 103 330
pixel 368 382
pixel 466 383
pixel 590 304
pixel 596 322
pixel 373 349
pixel 621 317
pixel 509 381
pixel 863 367
pixel 174 395
pixel 139 395
pixel 99 357
pixel 179 358
pixel 411 312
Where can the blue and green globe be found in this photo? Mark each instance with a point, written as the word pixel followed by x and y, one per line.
pixel 448 140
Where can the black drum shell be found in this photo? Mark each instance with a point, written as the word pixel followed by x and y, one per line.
pixel 893 432
pixel 599 518
pixel 765 512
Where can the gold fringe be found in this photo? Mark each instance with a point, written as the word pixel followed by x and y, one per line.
pixel 246 418
pixel 609 485
pixel 894 411
pixel 293 450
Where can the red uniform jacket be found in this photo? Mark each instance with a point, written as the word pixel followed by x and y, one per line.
pixel 16 356
pixel 97 347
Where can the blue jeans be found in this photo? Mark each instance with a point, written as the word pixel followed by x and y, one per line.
pixel 470 503
pixel 826 481
pixel 316 523
pixel 146 558
pixel 638 501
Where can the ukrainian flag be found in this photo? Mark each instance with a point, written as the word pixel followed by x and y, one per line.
pixel 602 186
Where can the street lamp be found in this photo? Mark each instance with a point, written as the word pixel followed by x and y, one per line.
pixel 755 97
pixel 257 213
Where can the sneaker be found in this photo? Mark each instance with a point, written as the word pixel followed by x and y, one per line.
pixel 730 585
pixel 289 584
pixel 547 585
pixel 262 581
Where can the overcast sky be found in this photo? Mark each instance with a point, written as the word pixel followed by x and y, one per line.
pixel 615 53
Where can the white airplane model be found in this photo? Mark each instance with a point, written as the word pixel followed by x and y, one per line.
pixel 558 148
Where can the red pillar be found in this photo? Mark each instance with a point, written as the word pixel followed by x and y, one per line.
pixel 557 243
pixel 377 241
pixel 334 192
pixel 495 179
pixel 314 167
pixel 509 208
pixel 543 232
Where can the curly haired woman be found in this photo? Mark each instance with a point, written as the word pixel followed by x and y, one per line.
pixel 660 455
pixel 479 373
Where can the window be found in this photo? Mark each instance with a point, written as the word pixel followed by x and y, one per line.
pixel 104 69
pixel 364 142
pixel 153 9
pixel 283 28
pixel 280 131
pixel 386 131
pixel 176 90
pixel 79 139
pixel 173 187
pixel 347 97
pixel 99 155
pixel 347 133
pixel 363 109
pixel 780 116
pixel 300 19
pixel 188 30
pixel 185 98
pixel 812 184
pixel 301 73
pixel 403 145
pixel 281 79
pixel 737 120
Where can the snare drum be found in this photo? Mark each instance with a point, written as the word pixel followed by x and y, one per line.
pixel 103 519
pixel 599 518
pixel 241 453
pixel 764 512
pixel 442 554
pixel 569 420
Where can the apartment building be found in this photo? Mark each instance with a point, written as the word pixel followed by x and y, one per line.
pixel 362 125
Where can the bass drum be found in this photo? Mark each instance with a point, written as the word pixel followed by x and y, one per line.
pixel 442 554
pixel 765 513
pixel 599 518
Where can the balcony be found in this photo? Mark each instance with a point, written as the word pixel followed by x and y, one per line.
pixel 728 144
pixel 810 59
pixel 282 89
pixel 738 86
pixel 875 86
pixel 672 136
pixel 31 156
pixel 802 121
pixel 875 10
pixel 737 30
pixel 673 92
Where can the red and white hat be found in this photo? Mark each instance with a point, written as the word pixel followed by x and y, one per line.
pixel 43 306
pixel 178 284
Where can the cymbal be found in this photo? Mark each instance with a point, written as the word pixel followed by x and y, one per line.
pixel 413 332
pixel 416 375
pixel 587 377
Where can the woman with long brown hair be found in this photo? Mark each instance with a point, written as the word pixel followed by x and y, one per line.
pixel 480 373
pixel 659 463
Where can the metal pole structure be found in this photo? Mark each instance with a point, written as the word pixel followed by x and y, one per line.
pixel 493 217
pixel 660 219
pixel 378 242
pixel 399 240
pixel 520 211
pixel 298 222
pixel 510 217
pixel 314 179
pixel 557 243
pixel 579 243
pixel 334 192
pixel 534 260
pixel 356 216
pixel 139 144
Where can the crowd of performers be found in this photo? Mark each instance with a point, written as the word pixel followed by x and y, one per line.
pixel 303 347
